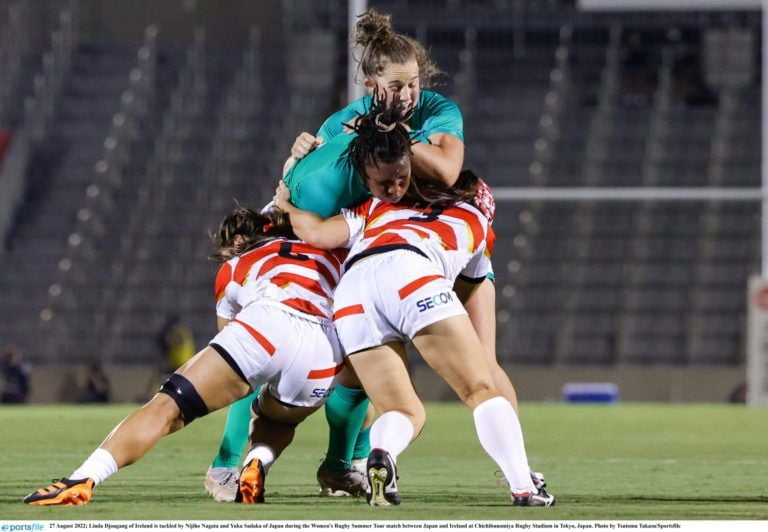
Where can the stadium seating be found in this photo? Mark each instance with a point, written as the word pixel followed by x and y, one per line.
pixel 147 146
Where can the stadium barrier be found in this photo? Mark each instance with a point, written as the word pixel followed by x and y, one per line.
pixel 130 384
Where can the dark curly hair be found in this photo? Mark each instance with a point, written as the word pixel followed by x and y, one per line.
pixel 382 138
pixel 381 135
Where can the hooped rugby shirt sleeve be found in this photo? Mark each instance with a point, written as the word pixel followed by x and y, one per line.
pixel 356 218
pixel 224 307
pixel 478 268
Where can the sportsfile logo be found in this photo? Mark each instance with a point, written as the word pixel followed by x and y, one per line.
pixel 436 300
pixel 19 527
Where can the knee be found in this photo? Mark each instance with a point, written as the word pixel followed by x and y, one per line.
pixel 182 392
pixel 165 410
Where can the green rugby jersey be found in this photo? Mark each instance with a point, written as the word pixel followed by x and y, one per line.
pixel 434 114
pixel 325 181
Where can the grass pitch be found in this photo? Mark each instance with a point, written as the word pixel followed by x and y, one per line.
pixel 628 461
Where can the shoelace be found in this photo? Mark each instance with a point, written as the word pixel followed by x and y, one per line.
pixel 226 479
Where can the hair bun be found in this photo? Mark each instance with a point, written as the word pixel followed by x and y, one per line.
pixel 372 26
pixel 382 124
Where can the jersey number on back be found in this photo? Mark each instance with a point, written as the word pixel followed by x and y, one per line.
pixel 286 252
pixel 431 216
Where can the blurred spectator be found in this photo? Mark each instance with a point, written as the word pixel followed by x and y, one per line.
pixel 176 343
pixel 739 394
pixel 638 73
pixel 690 86
pixel 96 387
pixel 15 374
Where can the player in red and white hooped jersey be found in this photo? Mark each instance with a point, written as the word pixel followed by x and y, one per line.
pixel 419 251
pixel 274 297
pixel 274 286
pixel 284 272
pixel 448 235
pixel 408 246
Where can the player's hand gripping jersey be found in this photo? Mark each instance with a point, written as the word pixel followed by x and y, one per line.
pixel 290 273
pixel 455 237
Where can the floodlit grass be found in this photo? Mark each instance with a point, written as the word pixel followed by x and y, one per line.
pixel 628 461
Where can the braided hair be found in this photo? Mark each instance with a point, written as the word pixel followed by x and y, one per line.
pixel 381 135
pixel 255 228
pixel 382 138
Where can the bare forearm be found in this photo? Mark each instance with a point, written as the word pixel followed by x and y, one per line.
pixel 325 233
pixel 305 224
pixel 441 158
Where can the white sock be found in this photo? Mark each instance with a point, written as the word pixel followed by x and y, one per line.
pixel 500 434
pixel 264 453
pixel 392 431
pixel 99 466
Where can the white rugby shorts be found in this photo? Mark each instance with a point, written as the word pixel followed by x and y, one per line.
pixel 297 358
pixel 390 297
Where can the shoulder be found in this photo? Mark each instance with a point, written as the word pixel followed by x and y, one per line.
pixel 437 102
pixel 361 105
pixel 332 153
pixel 333 125
pixel 438 114
pixel 361 209
pixel 223 278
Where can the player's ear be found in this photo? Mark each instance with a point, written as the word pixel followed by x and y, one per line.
pixel 369 85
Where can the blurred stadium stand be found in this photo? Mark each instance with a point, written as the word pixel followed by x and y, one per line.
pixel 140 140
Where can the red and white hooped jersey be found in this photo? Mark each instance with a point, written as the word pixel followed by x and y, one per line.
pixel 457 237
pixel 289 272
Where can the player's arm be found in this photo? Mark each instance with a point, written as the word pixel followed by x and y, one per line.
pixel 324 233
pixel 440 158
pixel 221 322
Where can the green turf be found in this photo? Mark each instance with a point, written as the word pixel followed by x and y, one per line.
pixel 602 462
